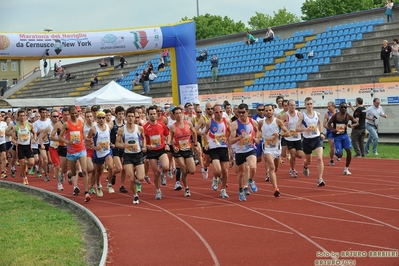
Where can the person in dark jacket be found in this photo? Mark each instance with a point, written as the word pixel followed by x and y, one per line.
pixel 385 55
pixel 215 65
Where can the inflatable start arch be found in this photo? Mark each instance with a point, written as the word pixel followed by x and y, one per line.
pixel 179 38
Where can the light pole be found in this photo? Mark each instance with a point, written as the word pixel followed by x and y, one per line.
pixel 49 60
pixel 197 9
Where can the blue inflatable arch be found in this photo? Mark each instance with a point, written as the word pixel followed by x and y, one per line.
pixel 179 38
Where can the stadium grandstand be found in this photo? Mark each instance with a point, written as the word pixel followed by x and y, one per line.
pixel 345 50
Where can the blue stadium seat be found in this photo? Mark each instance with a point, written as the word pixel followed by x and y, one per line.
pixel 370 28
pixel 315 69
pixel 337 52
pixel 292 85
pixel 359 36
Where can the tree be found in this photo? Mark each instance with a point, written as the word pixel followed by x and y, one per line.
pixel 210 26
pixel 262 21
pixel 313 9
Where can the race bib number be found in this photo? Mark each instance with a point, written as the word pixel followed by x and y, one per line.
pixel 184 145
pixel 220 139
pixel 155 141
pixel 270 143
pixel 104 144
pixel 24 136
pixel 246 141
pixel 293 134
pixel 56 144
pixel 340 128
pixel 75 137
pixel 314 130
pixel 133 146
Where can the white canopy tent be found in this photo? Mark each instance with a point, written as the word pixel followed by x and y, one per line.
pixel 33 102
pixel 113 93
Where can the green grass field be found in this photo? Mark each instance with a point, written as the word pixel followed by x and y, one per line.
pixel 34 232
pixel 385 151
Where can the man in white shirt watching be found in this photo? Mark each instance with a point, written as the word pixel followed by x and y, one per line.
pixel 373 114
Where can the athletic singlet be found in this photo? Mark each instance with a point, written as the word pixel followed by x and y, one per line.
pixel 114 131
pixel 40 125
pixel 291 127
pixel 202 129
pixel 246 144
pixel 23 134
pixel 102 139
pixel 155 135
pixel 217 134
pixel 329 115
pixel 74 134
pixel 340 126
pixel 181 138
pixel 62 144
pixel 87 128
pixel 312 123
pixel 3 127
pixel 132 139
pixel 270 142
pixel 170 122
pixel 53 143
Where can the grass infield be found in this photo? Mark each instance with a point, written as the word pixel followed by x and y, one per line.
pixel 34 232
pixel 385 151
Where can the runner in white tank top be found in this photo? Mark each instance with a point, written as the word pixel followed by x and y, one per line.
pixel 269 130
pixel 310 125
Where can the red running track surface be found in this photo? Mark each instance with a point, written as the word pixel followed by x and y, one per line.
pixel 354 217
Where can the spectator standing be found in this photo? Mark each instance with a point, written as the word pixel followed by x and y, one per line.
pixel 214 68
pixel 111 60
pixel 269 35
pixel 385 55
pixel 373 114
pixel 165 54
pixel 136 81
pixel 150 67
pixel 122 62
pixel 395 53
pixel 359 131
pixel 161 63
pixel 59 64
pixel 146 81
pixel 250 39
pixel 388 10
pixel 152 75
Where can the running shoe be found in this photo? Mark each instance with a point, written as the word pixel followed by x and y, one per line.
pixel 158 195
pixel 204 172
pixel 163 179
pixel 60 187
pixel 136 200
pixel 38 174
pixel 276 192
pixel 294 174
pixel 223 194
pixel 87 197
pixel 170 175
pixel 32 171
pixel 76 191
pixel 80 174
pixel 25 181
pixel 46 178
pixel 122 189
pixel 92 191
pixel 320 182
pixel 113 180
pixel 4 175
pixel 110 189
pixel 99 192
pixel 331 163
pixel 241 196
pixel 178 186
pixel 12 173
pixel 339 159
pixel 215 184
pixel 267 179
pixel 147 179
pixel 69 177
pixel 246 191
pixel 187 193
pixel 346 172
pixel 305 171
pixel 138 187
pixel 253 186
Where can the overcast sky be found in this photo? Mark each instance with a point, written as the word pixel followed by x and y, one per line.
pixel 76 15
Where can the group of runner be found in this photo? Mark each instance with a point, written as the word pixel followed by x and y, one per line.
pixel 171 140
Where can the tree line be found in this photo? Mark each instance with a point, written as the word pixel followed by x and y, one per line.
pixel 210 26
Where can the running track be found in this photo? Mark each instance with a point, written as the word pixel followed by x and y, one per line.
pixel 351 213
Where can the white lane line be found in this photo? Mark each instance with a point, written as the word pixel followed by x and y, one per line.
pixel 355 243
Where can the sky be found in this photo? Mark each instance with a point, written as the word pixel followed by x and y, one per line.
pixel 79 15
